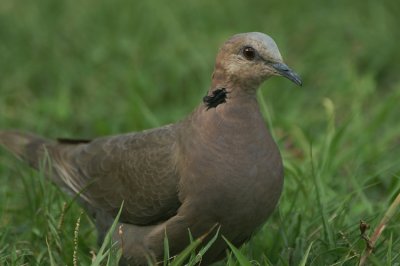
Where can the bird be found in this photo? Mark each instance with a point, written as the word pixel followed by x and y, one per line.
pixel 218 166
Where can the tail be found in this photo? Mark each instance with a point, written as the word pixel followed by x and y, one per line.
pixel 34 150
pixel 26 146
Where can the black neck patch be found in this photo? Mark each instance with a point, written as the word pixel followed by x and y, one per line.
pixel 72 141
pixel 218 96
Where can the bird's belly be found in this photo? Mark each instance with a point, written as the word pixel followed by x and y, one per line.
pixel 246 193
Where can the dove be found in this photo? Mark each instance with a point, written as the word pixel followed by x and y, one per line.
pixel 218 166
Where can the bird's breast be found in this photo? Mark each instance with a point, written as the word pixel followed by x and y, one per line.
pixel 232 161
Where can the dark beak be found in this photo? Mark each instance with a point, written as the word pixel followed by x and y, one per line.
pixel 286 72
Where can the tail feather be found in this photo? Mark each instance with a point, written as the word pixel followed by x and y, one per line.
pixel 26 146
pixel 32 149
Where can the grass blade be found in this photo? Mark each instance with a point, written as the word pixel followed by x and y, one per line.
pixel 102 253
pixel 379 229
pixel 182 257
pixel 201 253
pixel 305 257
pixel 52 262
pixel 241 258
pixel 166 249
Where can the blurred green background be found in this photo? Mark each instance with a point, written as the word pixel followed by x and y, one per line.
pixel 91 68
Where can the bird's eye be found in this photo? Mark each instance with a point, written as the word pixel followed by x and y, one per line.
pixel 249 53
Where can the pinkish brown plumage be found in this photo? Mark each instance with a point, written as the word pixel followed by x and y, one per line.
pixel 220 165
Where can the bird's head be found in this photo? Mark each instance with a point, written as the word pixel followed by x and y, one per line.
pixel 248 59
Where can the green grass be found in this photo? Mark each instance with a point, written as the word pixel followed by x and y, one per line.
pixel 92 68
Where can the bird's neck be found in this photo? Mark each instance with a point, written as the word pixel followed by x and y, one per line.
pixel 228 101
pixel 239 110
pixel 219 77
pixel 236 86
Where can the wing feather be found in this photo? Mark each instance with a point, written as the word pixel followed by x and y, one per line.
pixel 137 168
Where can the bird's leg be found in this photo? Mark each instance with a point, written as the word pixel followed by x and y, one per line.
pixel 131 239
